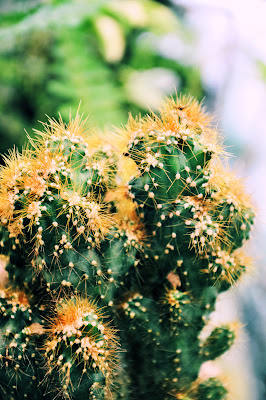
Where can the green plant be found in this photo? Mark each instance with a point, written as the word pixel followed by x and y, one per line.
pixel 105 54
pixel 119 245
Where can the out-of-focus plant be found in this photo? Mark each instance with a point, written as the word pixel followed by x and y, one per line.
pixel 23 83
pixel 103 53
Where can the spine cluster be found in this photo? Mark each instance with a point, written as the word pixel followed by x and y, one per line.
pixel 116 249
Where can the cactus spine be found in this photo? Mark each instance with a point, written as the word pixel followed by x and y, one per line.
pixel 120 245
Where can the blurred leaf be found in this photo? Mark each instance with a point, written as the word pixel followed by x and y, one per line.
pixel 112 38
pixel 12 12
pixel 49 16
pixel 104 53
pixel 81 75
pixel 262 69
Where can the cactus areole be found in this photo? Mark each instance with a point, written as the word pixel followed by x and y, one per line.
pixel 116 248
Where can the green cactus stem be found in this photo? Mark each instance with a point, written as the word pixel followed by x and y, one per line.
pixel 121 244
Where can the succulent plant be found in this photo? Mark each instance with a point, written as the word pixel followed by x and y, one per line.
pixel 120 244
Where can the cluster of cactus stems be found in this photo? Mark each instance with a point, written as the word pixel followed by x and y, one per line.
pixel 116 248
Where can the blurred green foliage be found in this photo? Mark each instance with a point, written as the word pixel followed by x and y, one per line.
pixel 103 54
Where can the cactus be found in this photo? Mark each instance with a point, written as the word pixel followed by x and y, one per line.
pixel 120 245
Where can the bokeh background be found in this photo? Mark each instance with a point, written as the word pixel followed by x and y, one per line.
pixel 112 57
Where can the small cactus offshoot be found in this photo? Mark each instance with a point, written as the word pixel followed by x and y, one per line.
pixel 116 248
